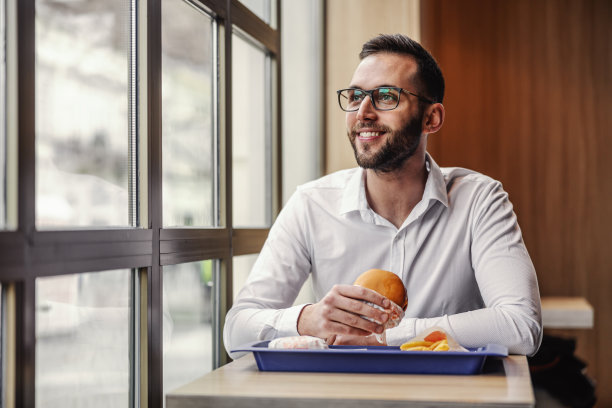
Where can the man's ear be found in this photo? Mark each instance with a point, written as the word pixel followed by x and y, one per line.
pixel 433 118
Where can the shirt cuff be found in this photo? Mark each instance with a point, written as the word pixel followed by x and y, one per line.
pixel 287 324
pixel 402 333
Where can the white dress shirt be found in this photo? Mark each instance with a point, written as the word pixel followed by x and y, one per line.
pixel 459 253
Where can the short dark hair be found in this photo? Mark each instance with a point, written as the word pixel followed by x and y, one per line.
pixel 429 74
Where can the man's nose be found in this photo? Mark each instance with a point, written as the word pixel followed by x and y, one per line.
pixel 366 110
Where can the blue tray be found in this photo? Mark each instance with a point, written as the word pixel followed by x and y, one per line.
pixel 372 359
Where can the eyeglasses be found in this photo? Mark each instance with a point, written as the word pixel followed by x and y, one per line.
pixel 383 98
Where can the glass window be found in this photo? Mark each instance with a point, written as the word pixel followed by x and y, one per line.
pixel 251 135
pixel 241 267
pixel 82 127
pixel 261 8
pixel 188 93
pixel 83 340
pixel 188 306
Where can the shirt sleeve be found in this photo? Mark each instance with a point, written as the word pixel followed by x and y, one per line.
pixel 264 308
pixel 506 279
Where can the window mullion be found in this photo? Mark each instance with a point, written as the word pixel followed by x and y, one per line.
pixel 154 391
pixel 134 220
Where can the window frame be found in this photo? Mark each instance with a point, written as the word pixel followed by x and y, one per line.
pixel 27 254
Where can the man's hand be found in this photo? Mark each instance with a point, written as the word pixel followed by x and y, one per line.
pixel 340 313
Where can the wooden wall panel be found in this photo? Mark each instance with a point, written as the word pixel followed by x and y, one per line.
pixel 349 24
pixel 529 102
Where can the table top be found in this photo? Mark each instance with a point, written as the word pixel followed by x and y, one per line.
pixel 504 382
pixel 566 313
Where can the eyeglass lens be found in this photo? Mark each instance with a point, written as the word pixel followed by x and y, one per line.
pixel 382 98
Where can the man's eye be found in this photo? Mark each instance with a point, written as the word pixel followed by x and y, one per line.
pixel 387 95
pixel 357 96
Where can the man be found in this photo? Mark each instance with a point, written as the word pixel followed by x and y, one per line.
pixel 449 233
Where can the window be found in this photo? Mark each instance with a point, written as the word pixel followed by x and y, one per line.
pixel 82 121
pixel 126 219
pixel 262 9
pixel 83 339
pixel 252 161
pixel 188 322
pixel 242 266
pixel 188 116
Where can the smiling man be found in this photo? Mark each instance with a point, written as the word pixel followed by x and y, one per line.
pixel 450 234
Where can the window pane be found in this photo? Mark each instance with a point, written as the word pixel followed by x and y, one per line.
pixel 251 145
pixel 261 8
pixel 241 267
pixel 82 340
pixel 188 297
pixel 187 122
pixel 82 113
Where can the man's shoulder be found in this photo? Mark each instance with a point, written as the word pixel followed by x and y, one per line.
pixel 333 181
pixel 329 192
pixel 465 185
pixel 457 176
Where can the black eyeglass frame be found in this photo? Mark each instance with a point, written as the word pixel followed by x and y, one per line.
pixel 370 93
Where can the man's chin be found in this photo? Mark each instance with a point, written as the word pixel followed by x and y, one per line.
pixel 377 167
pixel 381 164
pixel 366 162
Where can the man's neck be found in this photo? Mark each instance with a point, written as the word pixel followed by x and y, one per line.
pixel 393 195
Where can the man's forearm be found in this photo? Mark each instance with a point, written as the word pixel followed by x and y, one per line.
pixel 248 324
pixel 516 328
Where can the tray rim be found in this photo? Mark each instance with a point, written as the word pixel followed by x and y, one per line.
pixel 489 350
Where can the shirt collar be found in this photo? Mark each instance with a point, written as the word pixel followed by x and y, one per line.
pixel 354 196
pixel 435 188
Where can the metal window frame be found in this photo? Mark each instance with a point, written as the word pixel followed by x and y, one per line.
pixel 27 254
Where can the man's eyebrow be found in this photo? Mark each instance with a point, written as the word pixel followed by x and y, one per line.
pixel 379 86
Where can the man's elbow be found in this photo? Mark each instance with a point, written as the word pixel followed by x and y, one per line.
pixel 528 338
pixel 229 333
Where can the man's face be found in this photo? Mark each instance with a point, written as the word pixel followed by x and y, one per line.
pixel 384 140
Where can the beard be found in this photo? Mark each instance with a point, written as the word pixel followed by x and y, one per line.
pixel 398 148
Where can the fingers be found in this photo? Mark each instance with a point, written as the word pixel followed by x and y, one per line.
pixel 351 299
pixel 360 293
pixel 324 319
pixel 341 321
pixel 343 311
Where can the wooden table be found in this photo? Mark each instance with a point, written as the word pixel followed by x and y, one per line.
pixel 566 313
pixel 503 383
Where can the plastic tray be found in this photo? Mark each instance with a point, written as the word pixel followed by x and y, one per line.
pixel 372 359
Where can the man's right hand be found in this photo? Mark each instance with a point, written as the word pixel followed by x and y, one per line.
pixel 340 313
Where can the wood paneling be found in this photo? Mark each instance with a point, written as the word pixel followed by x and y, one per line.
pixel 349 24
pixel 529 102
